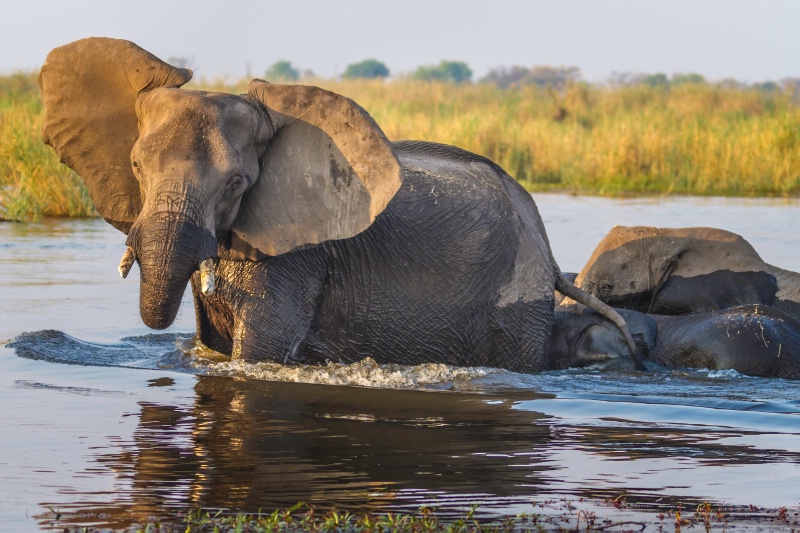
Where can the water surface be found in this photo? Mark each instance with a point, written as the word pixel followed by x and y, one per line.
pixel 162 430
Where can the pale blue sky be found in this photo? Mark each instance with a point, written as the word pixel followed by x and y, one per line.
pixel 750 40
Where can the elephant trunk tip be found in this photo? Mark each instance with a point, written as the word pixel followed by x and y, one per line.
pixel 157 322
pixel 207 279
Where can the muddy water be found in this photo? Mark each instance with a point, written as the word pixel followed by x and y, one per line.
pixel 141 426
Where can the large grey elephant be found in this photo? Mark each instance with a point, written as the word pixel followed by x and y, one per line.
pixel 684 270
pixel 755 340
pixel 306 234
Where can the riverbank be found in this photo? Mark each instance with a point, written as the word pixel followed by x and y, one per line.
pixel 696 139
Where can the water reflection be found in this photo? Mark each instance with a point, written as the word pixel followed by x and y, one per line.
pixel 247 444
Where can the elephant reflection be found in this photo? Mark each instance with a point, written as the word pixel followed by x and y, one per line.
pixel 247 446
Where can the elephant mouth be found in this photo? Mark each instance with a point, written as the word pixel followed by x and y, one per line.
pixel 168 255
pixel 206 270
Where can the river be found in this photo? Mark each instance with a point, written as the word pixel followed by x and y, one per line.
pixel 163 431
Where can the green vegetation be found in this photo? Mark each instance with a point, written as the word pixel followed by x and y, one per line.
pixel 541 75
pixel 282 71
pixel 551 515
pixel 369 68
pixel 446 71
pixel 691 137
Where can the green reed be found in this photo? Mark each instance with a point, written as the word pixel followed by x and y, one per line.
pixel 698 139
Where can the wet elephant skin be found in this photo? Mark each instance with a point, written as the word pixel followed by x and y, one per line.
pixel 754 340
pixel 421 284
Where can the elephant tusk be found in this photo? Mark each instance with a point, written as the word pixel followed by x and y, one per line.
pixel 126 262
pixel 207 277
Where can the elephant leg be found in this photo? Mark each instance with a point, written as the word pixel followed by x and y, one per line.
pixel 276 310
pixel 213 319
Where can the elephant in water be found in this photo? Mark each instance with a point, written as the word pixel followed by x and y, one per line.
pixel 755 340
pixel 306 234
pixel 580 337
pixel 684 270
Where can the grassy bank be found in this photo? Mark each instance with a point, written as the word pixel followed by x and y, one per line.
pixel 690 139
pixel 32 181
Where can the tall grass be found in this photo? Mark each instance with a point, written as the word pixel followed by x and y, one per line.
pixel 32 181
pixel 690 139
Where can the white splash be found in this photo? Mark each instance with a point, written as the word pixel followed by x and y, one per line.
pixel 365 373
pixel 725 374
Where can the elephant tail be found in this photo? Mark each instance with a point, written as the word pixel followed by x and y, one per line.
pixel 571 291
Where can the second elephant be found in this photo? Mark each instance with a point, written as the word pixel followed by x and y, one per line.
pixel 684 270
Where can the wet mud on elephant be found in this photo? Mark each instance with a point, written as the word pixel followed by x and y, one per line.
pixel 306 234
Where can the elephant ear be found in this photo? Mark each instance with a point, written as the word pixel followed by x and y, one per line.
pixel 326 173
pixel 90 89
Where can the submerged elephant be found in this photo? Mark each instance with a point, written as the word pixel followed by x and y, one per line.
pixel 684 270
pixel 580 337
pixel 755 340
pixel 306 234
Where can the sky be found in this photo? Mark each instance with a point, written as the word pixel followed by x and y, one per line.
pixel 748 40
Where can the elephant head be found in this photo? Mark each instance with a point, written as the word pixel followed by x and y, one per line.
pixel 581 337
pixel 676 271
pixel 191 176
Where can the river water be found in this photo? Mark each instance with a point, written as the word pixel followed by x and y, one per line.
pixel 161 429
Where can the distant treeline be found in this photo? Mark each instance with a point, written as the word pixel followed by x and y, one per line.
pixel 638 136
pixel 515 76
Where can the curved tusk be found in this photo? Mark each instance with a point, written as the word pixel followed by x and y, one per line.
pixel 207 277
pixel 126 262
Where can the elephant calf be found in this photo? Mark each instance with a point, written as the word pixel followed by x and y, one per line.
pixel 755 340
pixel 684 270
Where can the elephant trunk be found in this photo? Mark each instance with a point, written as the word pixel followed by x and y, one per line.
pixel 168 253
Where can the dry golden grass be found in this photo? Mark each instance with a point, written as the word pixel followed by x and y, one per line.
pixel 32 181
pixel 690 139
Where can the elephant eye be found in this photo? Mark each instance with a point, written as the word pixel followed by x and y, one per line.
pixel 236 183
pixel 605 287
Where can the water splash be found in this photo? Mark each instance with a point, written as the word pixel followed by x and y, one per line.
pixel 365 373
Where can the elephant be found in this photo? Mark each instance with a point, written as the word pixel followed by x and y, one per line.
pixel 684 270
pixel 754 340
pixel 306 234
pixel 581 337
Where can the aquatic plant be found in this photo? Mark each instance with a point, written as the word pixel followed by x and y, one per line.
pixel 556 515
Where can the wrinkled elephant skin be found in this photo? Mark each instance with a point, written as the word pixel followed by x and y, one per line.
pixel 306 234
